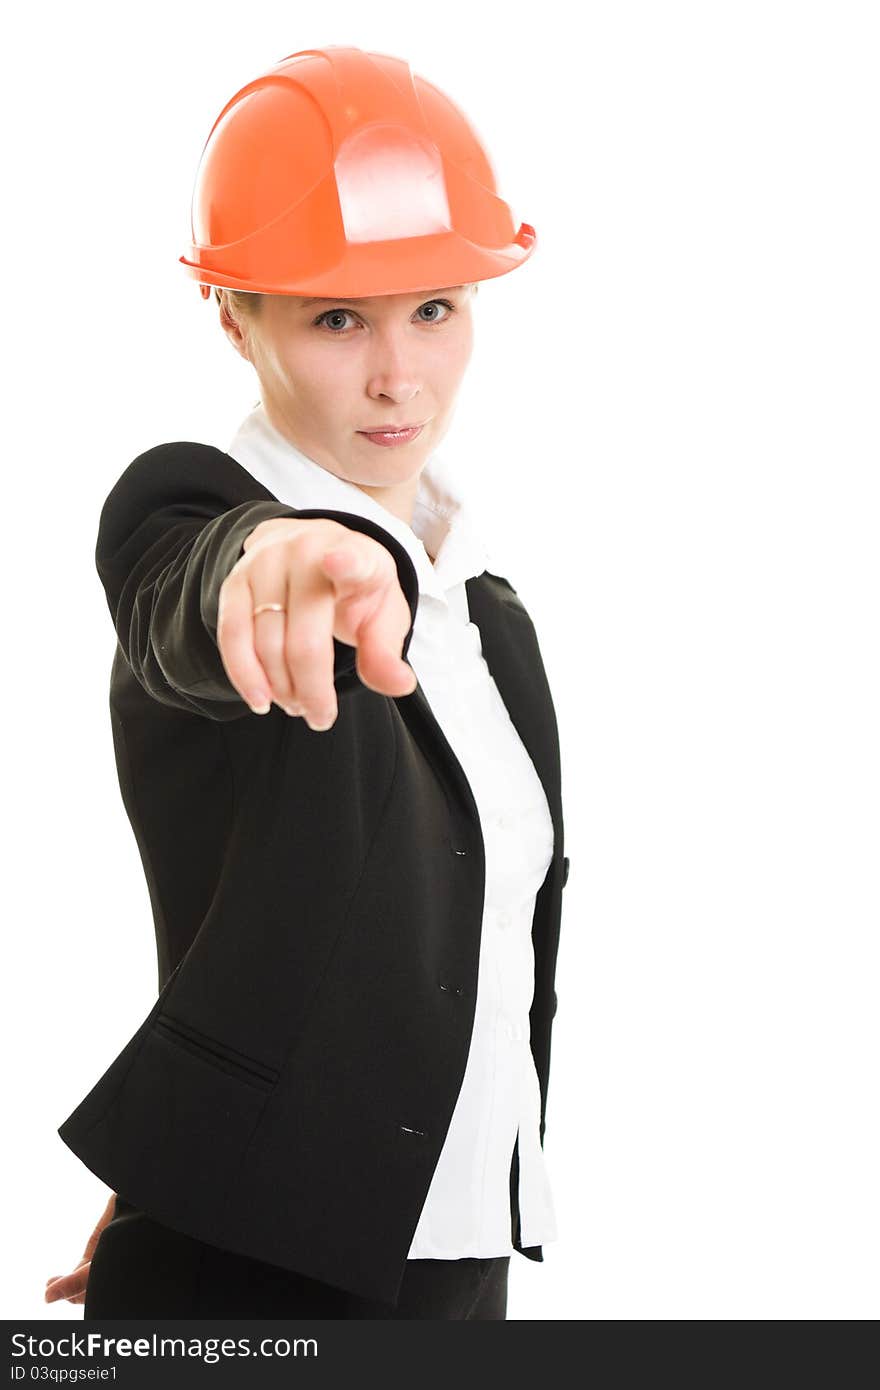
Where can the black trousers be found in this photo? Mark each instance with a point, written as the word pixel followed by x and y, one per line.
pixel 141 1269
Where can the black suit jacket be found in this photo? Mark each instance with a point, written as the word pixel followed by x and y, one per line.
pixel 318 903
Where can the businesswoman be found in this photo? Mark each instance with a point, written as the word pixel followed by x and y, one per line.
pixel 339 755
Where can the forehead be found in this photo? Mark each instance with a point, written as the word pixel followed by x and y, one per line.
pixel 378 298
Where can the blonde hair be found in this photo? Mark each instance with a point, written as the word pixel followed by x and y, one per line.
pixel 244 302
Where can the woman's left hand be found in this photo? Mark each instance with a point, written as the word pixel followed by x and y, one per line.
pixel 73 1286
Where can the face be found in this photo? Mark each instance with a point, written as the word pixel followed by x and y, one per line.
pixel 331 369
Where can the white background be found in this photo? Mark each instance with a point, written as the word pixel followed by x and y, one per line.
pixel 671 420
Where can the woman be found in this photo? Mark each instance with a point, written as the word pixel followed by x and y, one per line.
pixel 338 752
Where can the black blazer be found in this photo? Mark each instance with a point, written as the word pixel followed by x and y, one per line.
pixel 317 899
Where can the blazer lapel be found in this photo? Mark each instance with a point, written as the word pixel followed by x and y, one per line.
pixel 510 648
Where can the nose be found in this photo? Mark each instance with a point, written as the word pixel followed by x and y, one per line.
pixel 392 373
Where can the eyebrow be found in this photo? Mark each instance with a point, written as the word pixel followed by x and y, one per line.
pixel 305 303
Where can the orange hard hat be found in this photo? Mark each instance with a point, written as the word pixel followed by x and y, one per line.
pixel 339 172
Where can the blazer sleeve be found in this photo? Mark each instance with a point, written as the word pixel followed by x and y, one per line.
pixel 170 531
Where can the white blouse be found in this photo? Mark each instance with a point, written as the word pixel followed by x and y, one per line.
pixel 467 1209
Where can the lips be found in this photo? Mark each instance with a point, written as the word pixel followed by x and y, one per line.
pixel 388 438
pixel 392 429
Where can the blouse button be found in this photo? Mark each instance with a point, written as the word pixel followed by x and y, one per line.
pixel 503 920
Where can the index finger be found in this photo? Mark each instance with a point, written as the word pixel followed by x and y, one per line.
pixel 380 638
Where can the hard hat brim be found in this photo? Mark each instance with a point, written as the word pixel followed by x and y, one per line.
pixel 411 265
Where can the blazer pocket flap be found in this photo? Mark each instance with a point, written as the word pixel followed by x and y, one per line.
pixel 215 1052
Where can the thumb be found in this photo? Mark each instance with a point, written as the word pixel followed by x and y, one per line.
pixel 347 566
pixel 343 563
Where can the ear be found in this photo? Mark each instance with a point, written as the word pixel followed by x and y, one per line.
pixel 232 330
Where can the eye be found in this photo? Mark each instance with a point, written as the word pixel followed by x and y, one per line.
pixel 431 302
pixel 335 314
pixel 332 313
